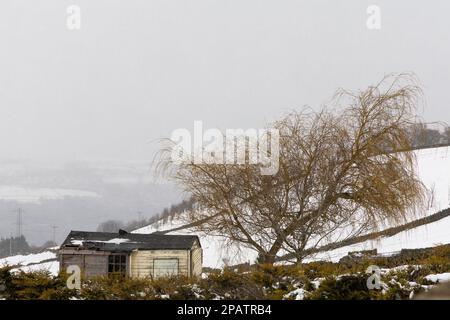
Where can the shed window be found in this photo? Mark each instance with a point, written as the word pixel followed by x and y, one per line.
pixel 165 267
pixel 117 264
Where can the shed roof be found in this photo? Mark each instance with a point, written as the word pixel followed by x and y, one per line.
pixel 106 241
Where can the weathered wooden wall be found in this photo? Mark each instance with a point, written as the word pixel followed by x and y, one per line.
pixel 141 262
pixel 91 263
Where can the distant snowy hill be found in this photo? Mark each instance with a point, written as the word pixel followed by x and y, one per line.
pixel 434 171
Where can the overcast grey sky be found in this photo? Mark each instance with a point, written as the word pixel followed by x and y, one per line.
pixel 139 69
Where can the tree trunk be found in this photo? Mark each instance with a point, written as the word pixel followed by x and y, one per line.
pixel 266 258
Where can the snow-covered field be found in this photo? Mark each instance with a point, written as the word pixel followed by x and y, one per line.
pixel 434 171
pixel 44 261
pixel 25 260
pixel 51 266
pixel 433 167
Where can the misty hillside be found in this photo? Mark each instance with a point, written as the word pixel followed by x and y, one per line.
pixel 76 195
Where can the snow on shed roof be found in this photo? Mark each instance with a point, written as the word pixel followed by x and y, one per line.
pixel 106 241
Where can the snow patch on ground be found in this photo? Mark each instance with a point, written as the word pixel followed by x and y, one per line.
pixel 298 294
pixel 440 277
pixel 24 260
pixel 44 261
pixel 400 268
pixel 52 267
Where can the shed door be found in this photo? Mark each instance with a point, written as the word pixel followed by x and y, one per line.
pixel 95 265
pixel 165 267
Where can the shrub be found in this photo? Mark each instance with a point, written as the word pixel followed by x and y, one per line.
pixel 37 285
pixel 113 288
pixel 228 284
pixel 337 281
pixel 352 287
pixel 5 283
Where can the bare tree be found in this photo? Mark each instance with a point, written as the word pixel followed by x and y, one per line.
pixel 341 173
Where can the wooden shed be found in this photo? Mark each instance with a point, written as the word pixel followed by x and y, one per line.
pixel 134 255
